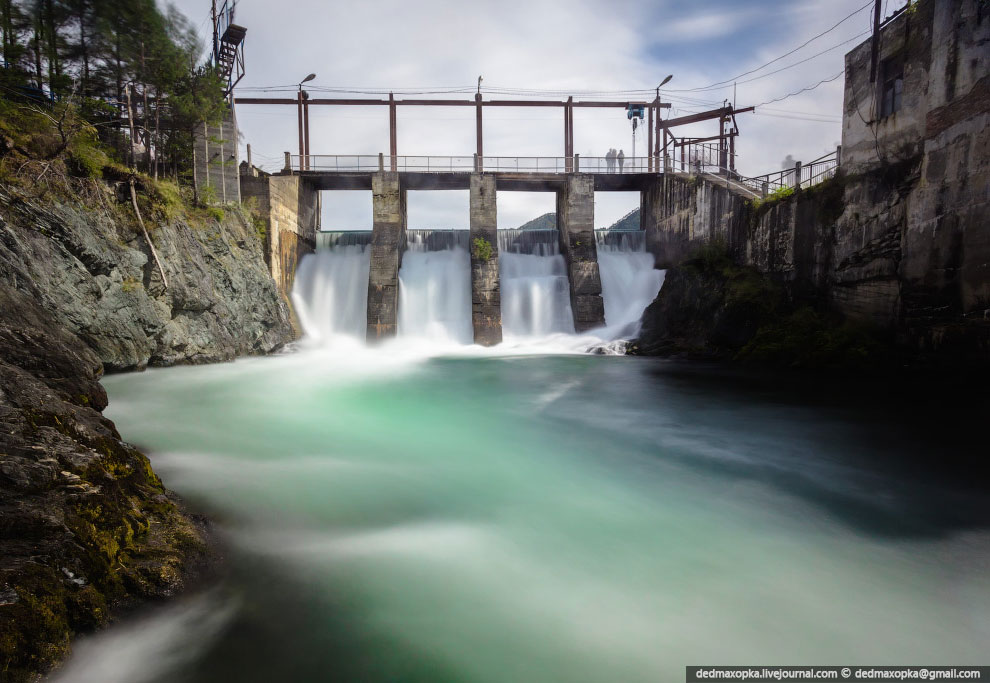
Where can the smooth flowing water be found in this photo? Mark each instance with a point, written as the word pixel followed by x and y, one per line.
pixel 533 277
pixel 330 291
pixel 435 287
pixel 629 280
pixel 393 515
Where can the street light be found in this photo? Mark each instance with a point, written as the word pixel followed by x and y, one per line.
pixel 304 125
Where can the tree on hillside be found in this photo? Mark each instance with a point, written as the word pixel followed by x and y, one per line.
pixel 130 67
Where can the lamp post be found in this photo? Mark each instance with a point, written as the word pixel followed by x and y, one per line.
pixel 656 150
pixel 304 125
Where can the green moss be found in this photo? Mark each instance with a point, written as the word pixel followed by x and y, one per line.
pixel 130 284
pixel 829 198
pixel 810 339
pixel 481 249
pixel 215 212
pixel 35 630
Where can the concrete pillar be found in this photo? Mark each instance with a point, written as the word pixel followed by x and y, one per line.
pixel 576 225
pixel 486 297
pixel 387 237
pixel 651 213
pixel 289 207
pixel 216 172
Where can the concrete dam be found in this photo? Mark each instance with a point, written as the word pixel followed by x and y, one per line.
pixel 435 294
pixel 477 285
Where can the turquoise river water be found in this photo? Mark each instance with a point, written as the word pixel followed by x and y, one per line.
pixel 395 515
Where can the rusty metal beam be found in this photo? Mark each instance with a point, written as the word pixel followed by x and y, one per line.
pixel 689 141
pixel 302 148
pixel 393 143
pixel 440 103
pixel 305 106
pixel 649 139
pixel 704 116
pixel 478 133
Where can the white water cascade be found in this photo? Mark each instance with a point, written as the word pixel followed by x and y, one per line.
pixel 330 293
pixel 629 280
pixel 435 287
pixel 535 292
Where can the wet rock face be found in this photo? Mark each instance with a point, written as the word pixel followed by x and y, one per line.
pixel 85 525
pixel 92 271
pixel 705 311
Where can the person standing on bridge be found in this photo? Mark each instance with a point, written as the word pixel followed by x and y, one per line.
pixel 621 157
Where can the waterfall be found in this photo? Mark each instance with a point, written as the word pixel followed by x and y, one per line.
pixel 629 280
pixel 330 293
pixel 535 292
pixel 435 287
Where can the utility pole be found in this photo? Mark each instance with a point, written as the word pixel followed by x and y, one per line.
pixel 875 47
pixel 216 38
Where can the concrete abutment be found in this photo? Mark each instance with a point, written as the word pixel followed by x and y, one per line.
pixel 576 226
pixel 486 303
pixel 388 235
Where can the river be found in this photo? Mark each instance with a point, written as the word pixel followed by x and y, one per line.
pixel 416 513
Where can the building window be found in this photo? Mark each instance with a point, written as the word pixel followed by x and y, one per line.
pixel 891 86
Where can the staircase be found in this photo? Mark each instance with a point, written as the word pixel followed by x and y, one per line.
pixel 227 54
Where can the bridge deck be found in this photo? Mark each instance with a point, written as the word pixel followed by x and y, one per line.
pixel 461 180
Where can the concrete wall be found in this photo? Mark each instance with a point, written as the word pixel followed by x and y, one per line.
pixel 215 162
pixel 486 298
pixel 388 235
pixel 900 238
pixel 288 206
pixel 576 226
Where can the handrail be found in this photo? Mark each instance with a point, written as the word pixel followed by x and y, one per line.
pixel 691 158
pixel 441 164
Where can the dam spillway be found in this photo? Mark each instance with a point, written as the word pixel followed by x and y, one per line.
pixel 535 291
pixel 435 287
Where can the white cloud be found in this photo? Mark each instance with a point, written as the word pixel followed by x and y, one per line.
pixel 704 25
pixel 577 45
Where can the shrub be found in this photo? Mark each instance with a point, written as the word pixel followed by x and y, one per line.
pixel 481 249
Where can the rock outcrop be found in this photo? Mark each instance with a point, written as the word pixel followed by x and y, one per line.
pixel 89 266
pixel 85 524
pixel 710 307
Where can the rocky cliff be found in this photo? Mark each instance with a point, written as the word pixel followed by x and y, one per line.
pixel 712 307
pixel 86 527
pixel 87 263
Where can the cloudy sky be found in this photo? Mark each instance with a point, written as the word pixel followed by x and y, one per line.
pixel 557 45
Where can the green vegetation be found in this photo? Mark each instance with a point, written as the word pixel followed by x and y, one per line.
pixel 778 195
pixel 782 333
pixel 481 249
pixel 124 68
pixel 811 339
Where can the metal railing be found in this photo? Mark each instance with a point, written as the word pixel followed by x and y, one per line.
pixel 436 164
pixel 695 158
pixel 820 170
pixel 803 175
pixel 698 157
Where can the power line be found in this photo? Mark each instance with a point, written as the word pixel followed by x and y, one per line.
pixel 786 54
pixel 789 66
pixel 798 92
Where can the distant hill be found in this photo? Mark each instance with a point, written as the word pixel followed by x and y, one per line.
pixel 628 222
pixel 547 221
